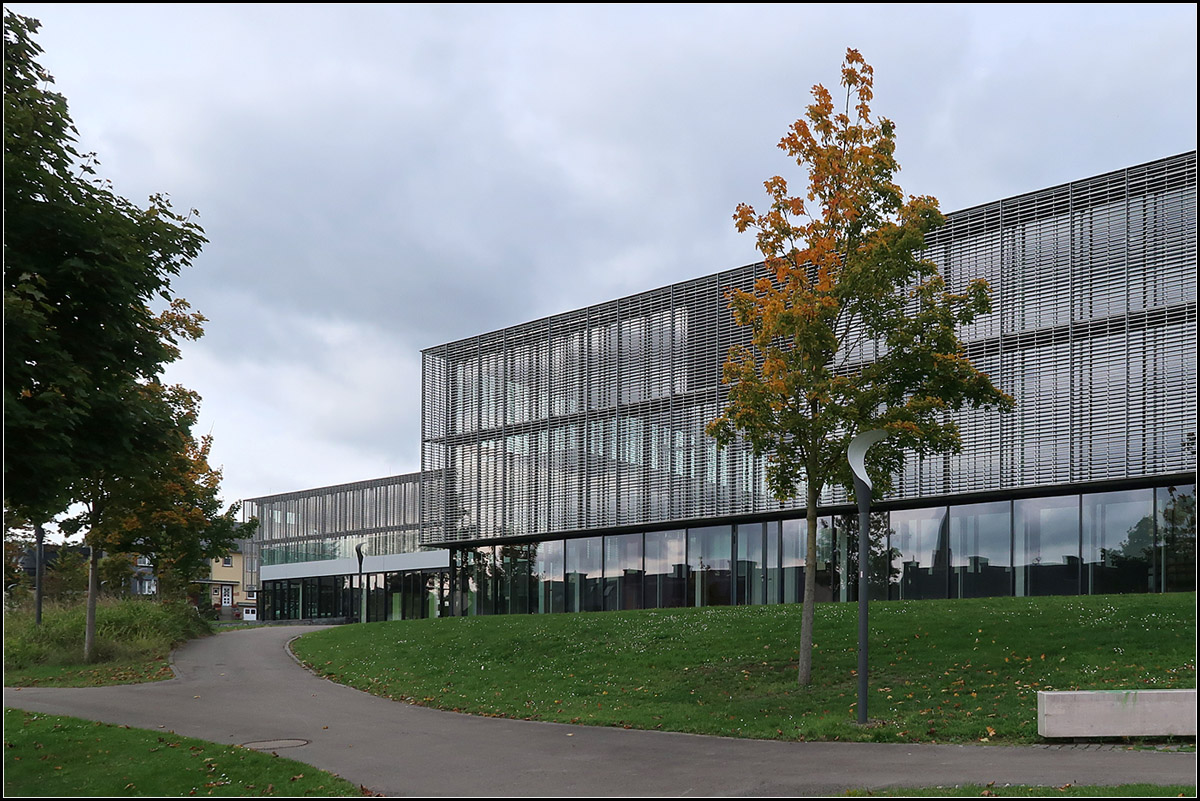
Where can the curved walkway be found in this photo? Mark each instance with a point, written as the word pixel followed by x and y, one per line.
pixel 244 687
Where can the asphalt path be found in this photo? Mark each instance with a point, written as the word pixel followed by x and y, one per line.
pixel 244 687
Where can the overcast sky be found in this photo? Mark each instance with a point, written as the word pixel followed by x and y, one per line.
pixel 378 179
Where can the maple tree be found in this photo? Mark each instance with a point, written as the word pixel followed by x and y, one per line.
pixel 170 510
pixel 86 419
pixel 82 266
pixel 851 329
pixel 173 512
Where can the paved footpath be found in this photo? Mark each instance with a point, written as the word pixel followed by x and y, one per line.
pixel 244 687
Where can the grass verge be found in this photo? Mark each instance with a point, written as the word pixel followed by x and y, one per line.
pixel 50 755
pixel 1028 791
pixel 941 671
pixel 134 639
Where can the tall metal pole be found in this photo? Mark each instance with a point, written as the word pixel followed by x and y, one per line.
pixel 362 590
pixel 862 491
pixel 856 454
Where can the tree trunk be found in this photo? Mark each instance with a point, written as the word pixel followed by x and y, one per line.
pixel 39 573
pixel 89 632
pixel 808 612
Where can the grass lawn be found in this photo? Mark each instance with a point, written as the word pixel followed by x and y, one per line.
pixel 941 671
pixel 1028 791
pixel 50 755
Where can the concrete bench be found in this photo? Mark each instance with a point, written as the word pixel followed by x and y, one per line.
pixel 1117 713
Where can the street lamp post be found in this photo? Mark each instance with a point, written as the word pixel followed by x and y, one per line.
pixel 857 454
pixel 362 590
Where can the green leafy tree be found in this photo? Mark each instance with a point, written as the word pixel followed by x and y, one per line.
pixel 66 575
pixel 174 511
pixel 81 268
pixel 19 541
pixel 83 345
pixel 116 573
pixel 850 329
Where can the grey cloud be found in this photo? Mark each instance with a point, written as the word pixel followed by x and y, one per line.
pixel 416 174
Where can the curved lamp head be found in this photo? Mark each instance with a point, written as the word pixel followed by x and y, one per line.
pixel 857 452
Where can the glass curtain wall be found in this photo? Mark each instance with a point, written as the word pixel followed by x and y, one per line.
pixel 391 596
pixel 1141 540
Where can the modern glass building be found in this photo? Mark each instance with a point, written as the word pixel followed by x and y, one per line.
pixel 349 552
pixel 564 464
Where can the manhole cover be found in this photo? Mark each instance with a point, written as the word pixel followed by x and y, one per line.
pixel 271 745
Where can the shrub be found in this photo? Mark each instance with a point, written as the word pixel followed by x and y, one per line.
pixel 125 629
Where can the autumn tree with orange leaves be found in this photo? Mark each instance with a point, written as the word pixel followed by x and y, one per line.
pixel 851 328
pixel 169 509
pixel 172 512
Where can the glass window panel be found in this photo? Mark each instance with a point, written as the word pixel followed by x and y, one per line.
pixel 1046 546
pixel 793 551
pixel 666 569
pixel 1177 537
pixel 1118 542
pixel 466 590
pixel 483 570
pixel 774 573
pixel 309 598
pixel 516 578
pixel 919 552
pixel 981 550
pixel 710 573
pixel 329 603
pixel 791 561
pixel 879 558
pixel 623 571
pixel 376 597
pixel 751 565
pixel 549 569
pixel 584 575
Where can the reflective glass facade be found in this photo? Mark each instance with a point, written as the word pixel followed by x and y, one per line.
pixel 355 598
pixel 1040 546
pixel 565 465
pixel 594 419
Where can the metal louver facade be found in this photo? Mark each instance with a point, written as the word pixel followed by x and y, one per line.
pixel 327 523
pixel 594 419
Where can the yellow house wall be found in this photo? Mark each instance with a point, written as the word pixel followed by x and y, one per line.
pixel 228 575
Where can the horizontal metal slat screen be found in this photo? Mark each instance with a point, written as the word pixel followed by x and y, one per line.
pixel 594 418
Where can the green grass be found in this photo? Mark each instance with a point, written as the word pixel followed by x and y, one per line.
pixel 1026 790
pixel 941 671
pixel 49 755
pixel 134 639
